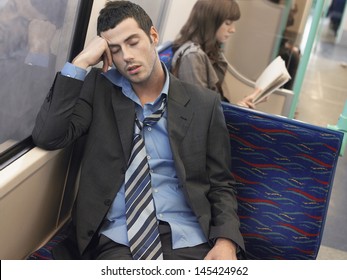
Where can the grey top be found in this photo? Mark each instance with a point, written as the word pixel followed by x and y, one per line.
pixel 191 64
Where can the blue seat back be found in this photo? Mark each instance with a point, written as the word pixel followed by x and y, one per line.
pixel 285 170
pixel 166 53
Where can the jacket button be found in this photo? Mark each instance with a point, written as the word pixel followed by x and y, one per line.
pixel 108 202
pixel 90 233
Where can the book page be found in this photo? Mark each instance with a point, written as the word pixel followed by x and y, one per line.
pixel 274 76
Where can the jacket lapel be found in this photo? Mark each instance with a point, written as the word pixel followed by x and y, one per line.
pixel 124 112
pixel 179 112
pixel 180 116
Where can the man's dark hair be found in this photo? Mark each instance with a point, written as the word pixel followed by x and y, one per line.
pixel 115 12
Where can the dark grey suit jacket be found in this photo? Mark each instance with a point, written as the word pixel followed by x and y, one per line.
pixel 198 138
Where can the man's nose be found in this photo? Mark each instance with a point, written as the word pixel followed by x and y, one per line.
pixel 127 54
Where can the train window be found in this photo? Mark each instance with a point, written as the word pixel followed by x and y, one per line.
pixel 36 38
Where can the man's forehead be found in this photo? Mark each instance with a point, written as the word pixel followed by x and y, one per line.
pixel 125 30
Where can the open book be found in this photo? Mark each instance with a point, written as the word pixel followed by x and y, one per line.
pixel 274 76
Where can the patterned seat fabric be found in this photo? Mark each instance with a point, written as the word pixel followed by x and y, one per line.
pixel 285 170
pixel 45 252
pixel 166 53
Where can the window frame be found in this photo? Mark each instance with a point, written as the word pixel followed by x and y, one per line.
pixel 83 14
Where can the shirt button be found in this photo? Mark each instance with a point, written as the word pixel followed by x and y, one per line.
pixel 156 190
pixel 161 215
pixel 152 171
pixel 148 157
pixel 149 129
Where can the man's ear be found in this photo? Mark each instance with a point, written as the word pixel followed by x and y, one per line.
pixel 154 35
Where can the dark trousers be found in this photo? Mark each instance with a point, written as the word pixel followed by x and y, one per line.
pixel 107 249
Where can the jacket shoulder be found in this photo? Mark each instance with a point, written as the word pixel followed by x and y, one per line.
pixel 192 90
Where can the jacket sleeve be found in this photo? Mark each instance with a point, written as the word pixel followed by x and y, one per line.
pixel 222 195
pixel 66 112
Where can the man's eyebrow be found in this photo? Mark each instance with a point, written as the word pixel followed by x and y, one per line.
pixel 126 40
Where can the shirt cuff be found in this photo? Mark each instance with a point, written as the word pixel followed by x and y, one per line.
pixel 37 59
pixel 72 71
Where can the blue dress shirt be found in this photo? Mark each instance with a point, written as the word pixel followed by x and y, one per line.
pixel 170 203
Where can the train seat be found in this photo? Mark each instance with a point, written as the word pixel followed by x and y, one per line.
pixel 284 170
pixel 166 53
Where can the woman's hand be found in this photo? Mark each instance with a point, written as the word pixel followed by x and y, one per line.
pixel 248 100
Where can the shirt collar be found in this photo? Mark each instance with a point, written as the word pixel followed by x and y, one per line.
pixel 117 79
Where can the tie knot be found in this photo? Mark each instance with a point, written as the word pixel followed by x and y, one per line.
pixel 153 118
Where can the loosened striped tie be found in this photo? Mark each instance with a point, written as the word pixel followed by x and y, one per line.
pixel 143 233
